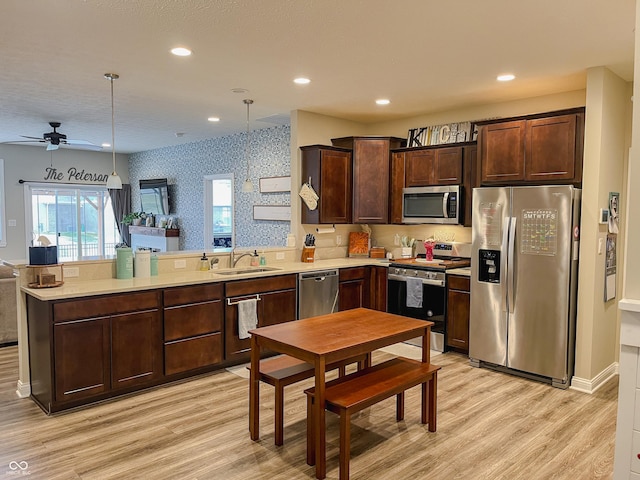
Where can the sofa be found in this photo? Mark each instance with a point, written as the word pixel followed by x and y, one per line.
pixel 8 309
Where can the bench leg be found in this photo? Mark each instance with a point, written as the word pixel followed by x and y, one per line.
pixel 311 446
pixel 400 406
pixel 342 371
pixel 433 389
pixel 279 414
pixel 424 402
pixel 345 444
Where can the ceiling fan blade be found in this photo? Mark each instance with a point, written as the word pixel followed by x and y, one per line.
pixel 78 142
pixel 38 139
pixel 87 146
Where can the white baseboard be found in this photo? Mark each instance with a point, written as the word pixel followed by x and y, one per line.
pixel 590 386
pixel 23 390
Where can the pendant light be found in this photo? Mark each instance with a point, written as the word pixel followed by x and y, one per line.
pixel 114 182
pixel 247 186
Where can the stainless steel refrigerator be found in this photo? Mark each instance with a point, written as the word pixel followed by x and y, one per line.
pixel 524 265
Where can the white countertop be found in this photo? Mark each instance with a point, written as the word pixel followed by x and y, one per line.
pixel 77 288
pixel 466 271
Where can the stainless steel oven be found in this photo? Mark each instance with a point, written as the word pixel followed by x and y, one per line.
pixel 433 296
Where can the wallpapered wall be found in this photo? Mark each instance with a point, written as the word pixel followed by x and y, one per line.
pixel 186 165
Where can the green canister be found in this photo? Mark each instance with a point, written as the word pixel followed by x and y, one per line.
pixel 124 262
pixel 154 265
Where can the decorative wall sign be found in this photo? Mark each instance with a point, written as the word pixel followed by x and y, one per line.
pixel 275 184
pixel 75 174
pixel 440 134
pixel 272 212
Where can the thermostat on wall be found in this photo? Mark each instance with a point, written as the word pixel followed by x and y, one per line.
pixel 604 215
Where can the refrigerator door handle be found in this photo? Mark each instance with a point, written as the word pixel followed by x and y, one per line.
pixel 445 202
pixel 504 265
pixel 510 264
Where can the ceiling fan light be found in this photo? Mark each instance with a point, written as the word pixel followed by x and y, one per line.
pixel 114 182
pixel 52 146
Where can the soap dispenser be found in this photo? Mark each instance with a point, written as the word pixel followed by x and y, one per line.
pixel 254 258
pixel 204 263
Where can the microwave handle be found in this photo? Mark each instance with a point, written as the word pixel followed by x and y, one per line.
pixel 445 204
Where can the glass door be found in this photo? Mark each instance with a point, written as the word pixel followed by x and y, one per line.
pixel 79 220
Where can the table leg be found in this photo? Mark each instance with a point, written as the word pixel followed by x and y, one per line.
pixel 254 390
pixel 319 419
pixel 426 346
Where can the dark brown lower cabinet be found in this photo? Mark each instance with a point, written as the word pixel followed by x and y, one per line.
pixel 378 288
pixel 193 322
pixel 91 349
pixel 82 360
pixel 136 349
pixel 277 304
pixel 354 288
pixel 458 307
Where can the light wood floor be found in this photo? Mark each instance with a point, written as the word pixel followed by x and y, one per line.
pixel 490 426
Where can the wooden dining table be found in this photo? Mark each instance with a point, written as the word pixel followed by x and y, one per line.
pixel 326 339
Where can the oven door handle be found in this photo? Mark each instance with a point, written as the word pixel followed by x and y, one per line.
pixel 425 281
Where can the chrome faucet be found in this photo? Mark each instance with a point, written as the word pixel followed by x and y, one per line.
pixel 233 261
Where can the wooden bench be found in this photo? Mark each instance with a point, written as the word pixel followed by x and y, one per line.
pixel 284 370
pixel 355 392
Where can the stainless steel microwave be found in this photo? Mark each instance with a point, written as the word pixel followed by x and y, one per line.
pixel 439 204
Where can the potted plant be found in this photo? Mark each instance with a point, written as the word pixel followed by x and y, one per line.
pixel 133 218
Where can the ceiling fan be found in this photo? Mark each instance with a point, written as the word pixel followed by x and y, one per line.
pixel 55 139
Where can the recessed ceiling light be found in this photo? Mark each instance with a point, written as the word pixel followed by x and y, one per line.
pixel 213 119
pixel 301 80
pixel 106 145
pixel 179 134
pixel 383 101
pixel 181 51
pixel 507 77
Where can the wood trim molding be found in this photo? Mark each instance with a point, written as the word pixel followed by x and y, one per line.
pixel 591 386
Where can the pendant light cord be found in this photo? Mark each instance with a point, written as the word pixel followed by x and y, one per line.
pixel 246 150
pixel 113 128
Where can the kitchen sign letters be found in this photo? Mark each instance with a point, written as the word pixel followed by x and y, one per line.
pixel 74 174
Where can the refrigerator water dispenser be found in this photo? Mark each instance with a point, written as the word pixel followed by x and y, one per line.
pixel 489 266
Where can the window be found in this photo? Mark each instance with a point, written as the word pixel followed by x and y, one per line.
pixel 218 211
pixel 3 225
pixel 79 220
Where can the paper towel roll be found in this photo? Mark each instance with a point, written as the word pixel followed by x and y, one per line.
pixel 142 264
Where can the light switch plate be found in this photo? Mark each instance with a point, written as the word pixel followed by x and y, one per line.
pixel 279 255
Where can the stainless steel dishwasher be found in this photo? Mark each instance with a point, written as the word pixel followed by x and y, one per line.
pixel 317 293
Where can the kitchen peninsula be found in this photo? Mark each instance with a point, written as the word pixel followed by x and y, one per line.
pixel 97 339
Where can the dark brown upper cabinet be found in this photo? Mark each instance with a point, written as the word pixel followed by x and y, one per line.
pixel 371 170
pixel 329 171
pixel 537 149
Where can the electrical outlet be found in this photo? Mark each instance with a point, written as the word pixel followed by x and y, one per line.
pixel 12 222
pixel 279 255
pixel 179 264
pixel 338 239
pixel 71 272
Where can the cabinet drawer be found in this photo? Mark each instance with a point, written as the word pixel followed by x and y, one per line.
pixel 184 355
pixel 192 294
pixel 352 273
pixel 268 284
pixel 459 283
pixel 104 306
pixel 192 320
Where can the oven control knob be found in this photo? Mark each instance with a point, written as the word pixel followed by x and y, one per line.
pixel 404 271
pixel 415 273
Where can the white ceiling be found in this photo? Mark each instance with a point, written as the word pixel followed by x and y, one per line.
pixel 424 55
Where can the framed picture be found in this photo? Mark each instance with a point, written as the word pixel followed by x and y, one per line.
pixel 614 212
pixel 275 184
pixel 272 212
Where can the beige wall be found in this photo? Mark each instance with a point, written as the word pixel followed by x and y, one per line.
pixel 632 275
pixel 30 163
pixel 606 141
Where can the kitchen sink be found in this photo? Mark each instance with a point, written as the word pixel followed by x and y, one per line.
pixel 240 271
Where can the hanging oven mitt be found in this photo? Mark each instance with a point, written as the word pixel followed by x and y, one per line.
pixel 309 196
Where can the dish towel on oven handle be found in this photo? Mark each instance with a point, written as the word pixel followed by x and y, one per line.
pixel 247 317
pixel 414 292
